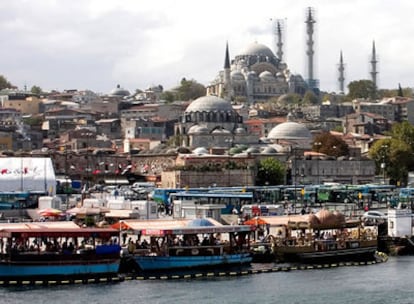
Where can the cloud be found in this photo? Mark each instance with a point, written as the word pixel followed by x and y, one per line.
pixel 97 44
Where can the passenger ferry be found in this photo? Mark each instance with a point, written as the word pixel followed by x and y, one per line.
pixel 53 253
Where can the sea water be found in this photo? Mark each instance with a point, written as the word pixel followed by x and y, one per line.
pixel 389 282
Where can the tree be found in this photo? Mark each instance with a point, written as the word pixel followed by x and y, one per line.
pixel 404 132
pixel 36 90
pixel 394 156
pixel 270 171
pixel 361 89
pixel 168 96
pixel 330 145
pixel 402 92
pixel 393 159
pixel 4 83
pixel 189 90
pixel 289 100
pixel 310 98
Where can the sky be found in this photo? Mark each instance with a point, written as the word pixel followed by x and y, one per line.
pixel 98 44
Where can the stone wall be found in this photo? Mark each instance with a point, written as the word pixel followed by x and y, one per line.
pixel 195 179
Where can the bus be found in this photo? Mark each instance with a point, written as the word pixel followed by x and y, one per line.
pixel 229 202
pixel 261 194
pixel 406 195
pixel 18 199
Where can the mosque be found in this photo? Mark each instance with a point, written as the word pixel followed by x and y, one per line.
pixel 211 121
pixel 255 75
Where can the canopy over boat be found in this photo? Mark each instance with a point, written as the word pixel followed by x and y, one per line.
pixel 198 230
pixel 59 232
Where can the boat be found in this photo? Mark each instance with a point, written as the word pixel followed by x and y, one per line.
pixel 58 253
pixel 324 237
pixel 189 248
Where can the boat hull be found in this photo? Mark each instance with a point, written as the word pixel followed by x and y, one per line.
pixel 149 263
pixel 59 266
pixel 11 271
pixel 332 256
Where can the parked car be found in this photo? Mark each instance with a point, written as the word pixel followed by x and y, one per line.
pixel 374 214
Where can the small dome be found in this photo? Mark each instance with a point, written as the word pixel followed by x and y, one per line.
pixel 252 150
pixel 237 76
pixel 221 131
pixel 252 75
pixel 200 151
pixel 257 49
pixel 266 76
pixel 118 91
pixel 209 104
pixel 171 151
pixel 196 129
pixel 193 130
pixel 240 131
pixel 183 150
pixel 290 130
pixel 269 150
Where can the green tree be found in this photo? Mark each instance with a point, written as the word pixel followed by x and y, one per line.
pixel 4 83
pixel 330 145
pixel 168 96
pixel 361 89
pixel 36 90
pixel 403 92
pixel 270 171
pixel 310 98
pixel 393 158
pixel 404 132
pixel 289 100
pixel 189 90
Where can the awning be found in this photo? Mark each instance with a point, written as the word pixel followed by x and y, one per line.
pixel 122 213
pixel 139 225
pixel 255 222
pixel 116 181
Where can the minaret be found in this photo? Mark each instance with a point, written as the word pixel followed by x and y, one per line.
pixel 341 77
pixel 279 37
pixel 374 62
pixel 227 81
pixel 310 52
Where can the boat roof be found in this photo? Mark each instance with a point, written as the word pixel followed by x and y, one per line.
pixel 198 230
pixel 59 232
pixel 161 227
pixel 299 222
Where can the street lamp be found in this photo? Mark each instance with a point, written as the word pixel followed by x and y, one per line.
pixel 318 145
pixel 384 151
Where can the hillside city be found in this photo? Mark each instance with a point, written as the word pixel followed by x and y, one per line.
pixel 255 123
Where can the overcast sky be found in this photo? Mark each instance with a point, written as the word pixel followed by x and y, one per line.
pixel 97 44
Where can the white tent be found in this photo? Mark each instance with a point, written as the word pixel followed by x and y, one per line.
pixel 27 174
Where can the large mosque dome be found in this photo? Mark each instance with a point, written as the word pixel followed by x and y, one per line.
pixel 209 104
pixel 121 92
pixel 257 49
pixel 291 131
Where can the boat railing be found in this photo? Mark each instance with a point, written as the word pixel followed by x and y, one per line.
pixel 196 250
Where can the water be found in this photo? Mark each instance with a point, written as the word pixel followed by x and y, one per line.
pixel 389 282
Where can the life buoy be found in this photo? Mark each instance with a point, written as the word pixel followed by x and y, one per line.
pixel 194 251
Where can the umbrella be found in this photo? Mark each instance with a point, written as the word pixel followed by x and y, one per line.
pixel 48 212
pixel 199 222
pixel 120 226
pixel 255 222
